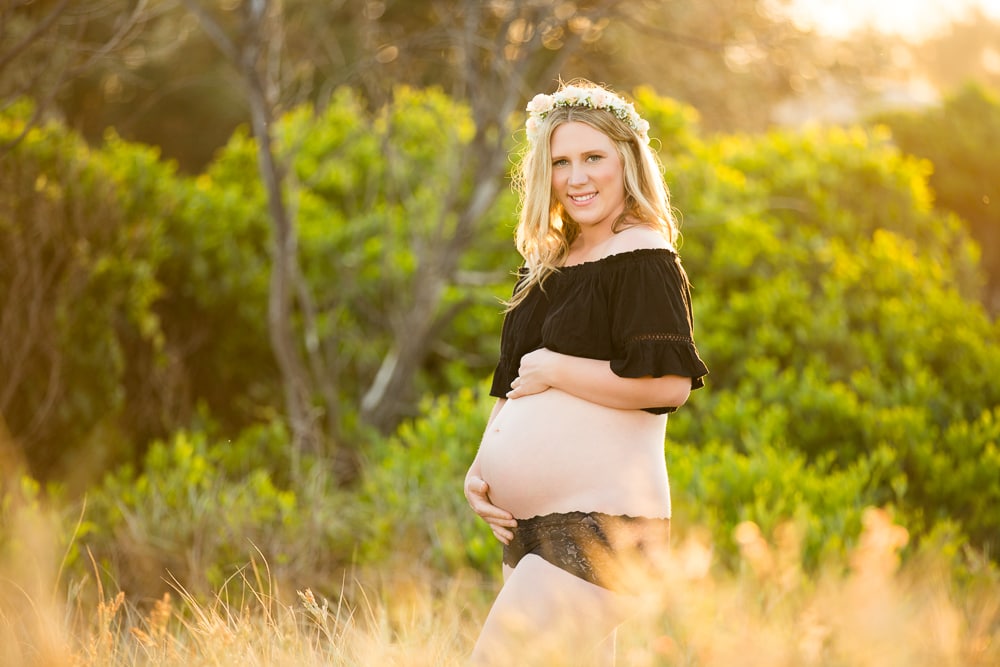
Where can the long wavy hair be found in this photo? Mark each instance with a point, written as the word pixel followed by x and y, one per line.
pixel 545 231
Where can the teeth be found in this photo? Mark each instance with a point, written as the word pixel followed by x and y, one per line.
pixel 583 197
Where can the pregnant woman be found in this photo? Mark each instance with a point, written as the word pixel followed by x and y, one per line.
pixel 596 349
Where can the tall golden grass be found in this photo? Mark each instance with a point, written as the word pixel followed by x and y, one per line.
pixel 868 610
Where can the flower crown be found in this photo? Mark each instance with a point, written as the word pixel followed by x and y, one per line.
pixel 589 98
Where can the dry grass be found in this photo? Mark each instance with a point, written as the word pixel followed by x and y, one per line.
pixel 868 611
pixel 865 612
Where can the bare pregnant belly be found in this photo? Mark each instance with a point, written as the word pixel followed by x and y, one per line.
pixel 554 452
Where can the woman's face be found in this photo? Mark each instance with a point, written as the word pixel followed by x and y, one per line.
pixel 587 176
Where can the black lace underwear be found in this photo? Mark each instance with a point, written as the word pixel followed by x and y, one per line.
pixel 589 545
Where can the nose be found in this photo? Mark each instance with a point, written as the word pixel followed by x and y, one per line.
pixel 577 175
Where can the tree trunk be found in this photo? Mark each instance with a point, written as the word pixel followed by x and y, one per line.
pixel 486 156
pixel 284 247
pixel 248 57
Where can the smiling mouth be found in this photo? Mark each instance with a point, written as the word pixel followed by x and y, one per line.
pixel 583 198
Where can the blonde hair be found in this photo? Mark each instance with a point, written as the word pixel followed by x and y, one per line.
pixel 544 231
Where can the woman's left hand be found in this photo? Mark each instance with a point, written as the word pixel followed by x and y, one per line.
pixel 534 374
pixel 501 522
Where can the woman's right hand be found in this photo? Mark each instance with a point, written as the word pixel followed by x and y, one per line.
pixel 501 522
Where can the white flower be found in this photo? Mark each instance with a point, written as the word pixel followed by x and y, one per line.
pixel 591 98
pixel 600 98
pixel 531 127
pixel 540 104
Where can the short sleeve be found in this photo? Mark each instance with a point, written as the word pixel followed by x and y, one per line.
pixel 505 371
pixel 651 320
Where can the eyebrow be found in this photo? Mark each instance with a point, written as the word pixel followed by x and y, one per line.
pixel 592 151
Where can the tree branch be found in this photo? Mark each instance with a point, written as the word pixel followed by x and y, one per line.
pixel 214 31
pixel 30 38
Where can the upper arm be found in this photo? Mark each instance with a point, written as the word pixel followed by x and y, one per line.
pixel 651 321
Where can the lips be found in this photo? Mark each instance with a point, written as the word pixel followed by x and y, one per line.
pixel 582 199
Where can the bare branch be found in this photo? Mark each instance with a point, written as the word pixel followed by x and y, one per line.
pixel 137 16
pixel 214 31
pixel 31 37
pixel 647 28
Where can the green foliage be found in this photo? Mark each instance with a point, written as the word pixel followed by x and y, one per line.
pixel 80 241
pixel 202 508
pixel 673 126
pixel 369 198
pixel 837 313
pixel 954 473
pixel 19 495
pixel 215 291
pixel 365 191
pixel 959 138
pixel 411 500
pixel 136 297
pixel 836 307
pixel 717 488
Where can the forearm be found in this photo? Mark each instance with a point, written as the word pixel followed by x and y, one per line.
pixel 594 381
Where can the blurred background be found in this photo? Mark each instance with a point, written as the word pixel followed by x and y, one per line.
pixel 252 255
pixel 148 70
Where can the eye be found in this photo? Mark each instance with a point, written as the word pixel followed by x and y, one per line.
pixel 560 162
pixel 594 158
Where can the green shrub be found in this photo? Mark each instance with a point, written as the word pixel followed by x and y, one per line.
pixel 202 508
pixel 411 499
pixel 716 487
pixel 80 243
pixel 959 138
pixel 837 312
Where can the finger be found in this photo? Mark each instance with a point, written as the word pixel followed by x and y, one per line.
pixel 479 496
pixel 493 514
pixel 513 388
pixel 505 521
pixel 482 488
pixel 477 487
pixel 504 536
pixel 526 390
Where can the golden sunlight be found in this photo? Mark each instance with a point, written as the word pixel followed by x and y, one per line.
pixel 913 19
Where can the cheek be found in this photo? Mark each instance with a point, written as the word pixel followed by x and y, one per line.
pixel 615 174
pixel 557 182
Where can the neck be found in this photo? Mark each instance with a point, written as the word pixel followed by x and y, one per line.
pixel 592 236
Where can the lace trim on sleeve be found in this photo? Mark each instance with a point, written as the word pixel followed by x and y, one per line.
pixel 660 338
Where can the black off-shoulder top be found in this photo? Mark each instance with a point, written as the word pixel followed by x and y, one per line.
pixel 632 309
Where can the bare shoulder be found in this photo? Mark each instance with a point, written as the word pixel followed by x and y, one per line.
pixel 638 237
